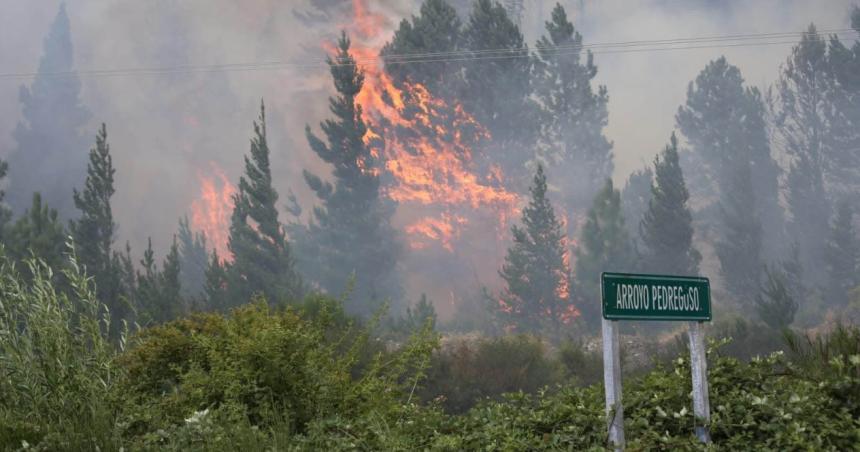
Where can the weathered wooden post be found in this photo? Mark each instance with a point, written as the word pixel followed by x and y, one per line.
pixel 612 384
pixel 699 369
pixel 650 297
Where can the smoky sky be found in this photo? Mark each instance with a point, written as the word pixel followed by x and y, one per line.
pixel 166 128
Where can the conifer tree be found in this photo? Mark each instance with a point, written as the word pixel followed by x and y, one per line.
pixel 216 284
pixel 5 213
pixel 158 292
pixel 193 260
pixel 262 260
pixel 49 151
pixel 724 123
pixel 38 232
pixel 94 230
pixel 604 246
pixel 498 91
pixel 634 200
pixel 436 29
pixel 740 246
pixel 536 270
pixel 805 88
pixel 667 227
pixel 842 256
pixel 350 233
pixel 776 303
pixel 572 113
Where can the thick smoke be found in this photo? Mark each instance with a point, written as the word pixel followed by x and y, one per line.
pixel 166 126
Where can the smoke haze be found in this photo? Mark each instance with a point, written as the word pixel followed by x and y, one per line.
pixel 167 128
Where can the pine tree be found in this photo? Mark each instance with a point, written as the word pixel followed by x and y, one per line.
pixel 724 123
pixel 536 269
pixel 262 261
pixel 844 134
pixel 158 292
pixel 667 227
pixel 350 233
pixel 604 246
pixel 497 91
pixel 216 284
pixel 573 115
pixel 49 151
pixel 38 232
pixel 193 260
pixel 634 200
pixel 740 247
pixel 842 256
pixel 94 231
pixel 436 29
pixel 804 97
pixel 776 304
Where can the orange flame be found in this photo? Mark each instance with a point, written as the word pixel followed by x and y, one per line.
pixel 211 212
pixel 427 147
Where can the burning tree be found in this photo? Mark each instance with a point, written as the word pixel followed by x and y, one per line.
pixel 537 268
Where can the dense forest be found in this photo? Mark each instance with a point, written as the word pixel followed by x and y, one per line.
pixel 288 323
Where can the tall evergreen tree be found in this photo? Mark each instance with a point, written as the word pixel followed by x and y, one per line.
pixel 634 200
pixel 216 284
pixel 573 114
pixel 724 123
pixel 740 246
pixel 350 232
pixel 94 230
pixel 842 256
pixel 436 29
pixel 804 90
pixel 158 292
pixel 776 304
pixel 193 261
pixel 844 119
pixel 262 260
pixel 49 151
pixel 497 91
pixel 38 232
pixel 536 270
pixel 5 213
pixel 604 246
pixel 667 227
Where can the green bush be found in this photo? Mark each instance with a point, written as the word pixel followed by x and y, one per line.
pixel 465 372
pixel 56 364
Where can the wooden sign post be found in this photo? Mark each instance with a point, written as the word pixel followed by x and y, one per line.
pixel 649 297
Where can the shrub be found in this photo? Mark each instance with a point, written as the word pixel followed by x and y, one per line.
pixel 56 364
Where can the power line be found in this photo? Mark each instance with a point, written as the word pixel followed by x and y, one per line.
pixel 725 41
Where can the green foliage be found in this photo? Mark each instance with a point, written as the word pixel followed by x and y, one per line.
pixel 158 293
pixel 604 246
pixel 635 199
pixel 39 233
pixel 350 234
pixel 193 261
pixel 262 260
pixel 56 364
pixel 436 29
pixel 464 373
pixel 666 228
pixel 536 269
pixel 775 304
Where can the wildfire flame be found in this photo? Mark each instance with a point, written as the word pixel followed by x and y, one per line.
pixel 211 212
pixel 428 148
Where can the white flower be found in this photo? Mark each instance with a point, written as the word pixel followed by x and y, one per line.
pixel 197 416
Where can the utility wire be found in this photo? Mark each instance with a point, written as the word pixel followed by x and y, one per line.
pixel 726 41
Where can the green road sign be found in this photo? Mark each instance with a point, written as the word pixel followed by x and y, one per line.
pixel 629 296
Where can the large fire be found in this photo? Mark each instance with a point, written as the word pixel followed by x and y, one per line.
pixel 428 148
pixel 211 212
